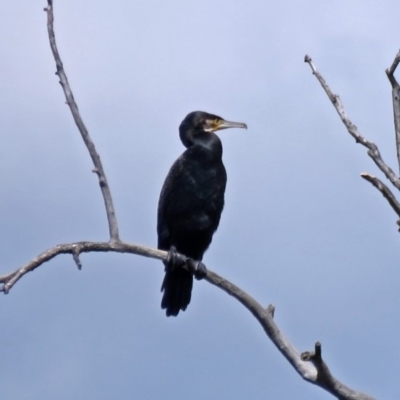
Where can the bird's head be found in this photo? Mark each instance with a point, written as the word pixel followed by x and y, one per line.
pixel 198 122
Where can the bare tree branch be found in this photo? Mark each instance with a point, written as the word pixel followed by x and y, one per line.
pixel 318 376
pixel 387 194
pixel 390 71
pixel 396 101
pixel 265 318
pixel 75 249
pixel 373 150
pixel 315 357
pixel 105 189
pixel 263 315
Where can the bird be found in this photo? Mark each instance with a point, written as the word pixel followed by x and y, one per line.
pixel 190 206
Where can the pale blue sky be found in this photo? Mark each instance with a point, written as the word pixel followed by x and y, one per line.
pixel 300 228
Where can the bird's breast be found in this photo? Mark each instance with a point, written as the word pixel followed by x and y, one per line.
pixel 191 202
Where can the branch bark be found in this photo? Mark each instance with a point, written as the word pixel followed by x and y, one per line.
pixel 75 249
pixel 98 167
pixel 396 101
pixel 387 194
pixel 308 365
pixel 373 150
pixel 325 378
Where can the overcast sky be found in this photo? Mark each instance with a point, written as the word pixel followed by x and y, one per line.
pixel 300 229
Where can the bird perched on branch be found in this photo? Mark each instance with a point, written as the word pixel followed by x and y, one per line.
pixel 190 206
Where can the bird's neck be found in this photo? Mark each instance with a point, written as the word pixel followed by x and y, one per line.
pixel 207 140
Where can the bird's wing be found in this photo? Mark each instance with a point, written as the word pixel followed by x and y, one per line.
pixel 166 197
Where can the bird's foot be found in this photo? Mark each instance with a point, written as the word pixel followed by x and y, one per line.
pixel 175 260
pixel 198 269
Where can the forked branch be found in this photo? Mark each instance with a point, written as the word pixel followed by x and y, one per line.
pixel 396 101
pixel 325 378
pixel 373 150
pixel 386 192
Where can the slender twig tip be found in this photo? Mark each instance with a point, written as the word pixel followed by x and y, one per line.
pixel 318 350
pixel 308 60
pixel 271 310
pixel 75 256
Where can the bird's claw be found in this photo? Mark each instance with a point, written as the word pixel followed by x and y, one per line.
pixel 174 259
pixel 198 269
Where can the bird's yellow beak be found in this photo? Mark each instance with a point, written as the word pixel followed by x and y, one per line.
pixel 222 124
pixel 219 124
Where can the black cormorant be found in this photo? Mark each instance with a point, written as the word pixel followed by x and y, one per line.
pixel 190 205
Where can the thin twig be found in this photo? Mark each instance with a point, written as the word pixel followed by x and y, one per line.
pixel 271 310
pixel 387 194
pixel 75 249
pixel 396 101
pixel 373 150
pixel 105 189
pixel 390 71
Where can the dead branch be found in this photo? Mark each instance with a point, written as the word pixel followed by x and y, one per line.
pixel 105 188
pixel 373 150
pixel 387 194
pixel 75 249
pixel 264 316
pixel 396 101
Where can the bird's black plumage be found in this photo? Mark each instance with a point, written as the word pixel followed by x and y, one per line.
pixel 191 202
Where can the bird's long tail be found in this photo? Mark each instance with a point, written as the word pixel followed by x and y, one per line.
pixel 177 287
